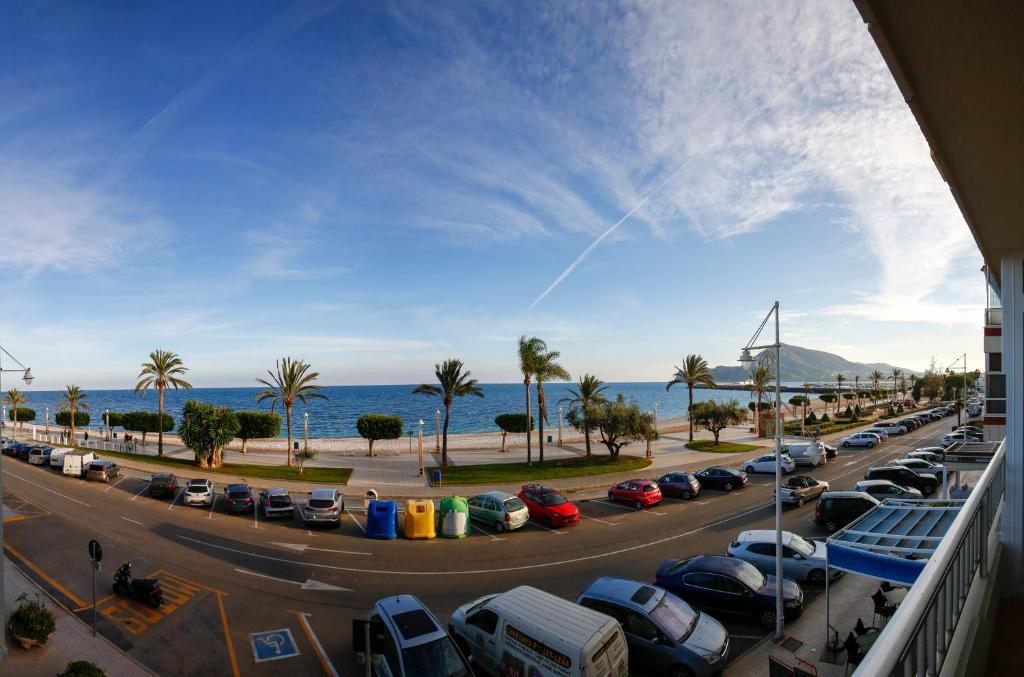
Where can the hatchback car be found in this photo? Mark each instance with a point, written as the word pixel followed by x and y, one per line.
pixel 766 463
pixel 725 479
pixel 933 454
pixel 909 424
pixel 905 477
pixel 955 438
pixel 102 471
pixel 276 503
pixel 665 635
pixel 415 641
pixel 548 506
pixel 238 498
pixel 199 492
pixel 323 507
pixel 860 440
pixel 883 489
pixel 40 455
pixel 836 509
pixel 881 432
pixel 162 485
pixel 499 510
pixel 638 493
pixel 919 465
pixel 802 560
pixel 729 585
pixel 683 485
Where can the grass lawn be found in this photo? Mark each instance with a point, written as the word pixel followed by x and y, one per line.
pixel 721 448
pixel 499 473
pixel 275 472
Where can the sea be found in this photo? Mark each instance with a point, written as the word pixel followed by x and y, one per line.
pixel 336 416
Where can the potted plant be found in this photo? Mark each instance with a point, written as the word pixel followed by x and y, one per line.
pixel 82 669
pixel 32 623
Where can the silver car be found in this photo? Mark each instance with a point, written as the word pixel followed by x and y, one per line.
pixel 323 507
pixel 199 492
pixel 802 560
pixel 276 503
pixel 863 439
pixel 499 510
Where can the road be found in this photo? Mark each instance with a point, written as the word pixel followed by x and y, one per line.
pixel 227 577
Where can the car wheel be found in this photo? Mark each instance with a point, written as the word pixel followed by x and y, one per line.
pixel 550 523
pixel 749 470
pixel 728 486
pixel 927 490
pixel 499 527
pixel 686 495
pixel 816 577
pixel 800 502
pixel 611 496
pixel 766 619
pixel 870 444
pixel 831 526
pixel 638 505
pixel 681 671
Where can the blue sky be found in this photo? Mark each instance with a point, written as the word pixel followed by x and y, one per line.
pixel 377 186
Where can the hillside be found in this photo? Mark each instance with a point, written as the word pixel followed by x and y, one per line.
pixel 804 364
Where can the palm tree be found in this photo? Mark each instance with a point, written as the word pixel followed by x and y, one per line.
pixel 839 390
pixel 695 371
pixel 588 394
pixel 290 382
pixel 453 383
pixel 74 399
pixel 164 370
pixel 759 379
pixel 903 387
pixel 856 387
pixel 876 383
pixel 530 349
pixel 15 398
pixel 546 369
pixel 896 374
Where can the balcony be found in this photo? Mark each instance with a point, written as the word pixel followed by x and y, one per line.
pixel 993 317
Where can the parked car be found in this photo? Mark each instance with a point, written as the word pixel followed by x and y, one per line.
pixel 933 454
pixel 883 489
pixel 102 471
pixel 324 506
pixel 548 506
pixel 23 451
pixel 836 509
pixel 955 438
pixel 909 424
pixel 199 492
pixel 76 463
pixel 905 477
pixel 725 479
pixel 57 458
pixel 970 431
pixel 665 634
pixel 238 498
pixel 684 485
pixel 802 560
pixel 638 493
pixel 891 427
pixel 499 510
pixel 162 485
pixel 881 432
pixel 416 642
pixel 525 630
pixel 802 488
pixel 729 585
pixel 276 503
pixel 861 439
pixel 811 454
pixel 919 465
pixel 40 455
pixel 830 451
pixel 766 463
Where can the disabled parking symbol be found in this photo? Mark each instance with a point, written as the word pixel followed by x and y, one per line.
pixel 273 645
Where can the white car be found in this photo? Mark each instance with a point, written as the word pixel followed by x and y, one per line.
pixel 881 432
pixel 919 465
pixel 890 427
pixel 766 463
pixel 953 438
pixel 199 492
pixel 802 560
pixel 862 439
pixel 930 454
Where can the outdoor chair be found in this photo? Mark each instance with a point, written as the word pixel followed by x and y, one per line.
pixel 882 608
pixel 853 654
pixel 861 629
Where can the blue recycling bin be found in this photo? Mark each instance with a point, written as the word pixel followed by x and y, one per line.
pixel 382 520
pixel 435 478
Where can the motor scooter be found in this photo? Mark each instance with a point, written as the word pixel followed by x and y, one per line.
pixel 143 589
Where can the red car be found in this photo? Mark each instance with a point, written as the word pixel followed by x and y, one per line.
pixel 638 493
pixel 549 507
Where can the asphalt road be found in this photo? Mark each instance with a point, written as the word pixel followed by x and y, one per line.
pixel 228 576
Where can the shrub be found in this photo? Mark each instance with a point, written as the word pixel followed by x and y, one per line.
pixel 512 423
pixel 82 669
pixel 811 418
pixel 25 414
pixel 145 422
pixel 375 427
pixel 64 418
pixel 32 620
pixel 849 412
pixel 856 410
pixel 825 418
pixel 115 418
pixel 255 425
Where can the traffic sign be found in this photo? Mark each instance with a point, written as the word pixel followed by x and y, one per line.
pixel 95 551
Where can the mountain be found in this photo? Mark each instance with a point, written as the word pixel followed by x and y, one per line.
pixel 803 364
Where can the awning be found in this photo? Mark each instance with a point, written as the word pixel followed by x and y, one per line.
pixel 894 540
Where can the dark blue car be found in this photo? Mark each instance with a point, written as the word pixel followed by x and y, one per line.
pixel 729 585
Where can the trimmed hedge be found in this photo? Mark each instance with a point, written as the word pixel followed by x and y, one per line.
pixel 25 414
pixel 375 427
pixel 255 425
pixel 64 418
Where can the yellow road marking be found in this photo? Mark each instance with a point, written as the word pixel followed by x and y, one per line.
pixel 317 647
pixel 46 577
pixel 227 634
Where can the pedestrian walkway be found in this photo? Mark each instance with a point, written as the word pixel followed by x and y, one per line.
pixel 72 641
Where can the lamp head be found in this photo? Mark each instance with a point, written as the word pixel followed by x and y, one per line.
pixel 28 377
pixel 746 359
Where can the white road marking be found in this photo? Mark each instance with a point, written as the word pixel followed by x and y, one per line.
pixel 484 531
pixel 349 512
pixel 588 517
pixel 212 506
pixel 181 495
pixel 545 528
pixel 302 547
pixel 140 492
pixel 328 665
pixel 255 515
pixel 114 484
pixel 57 493
pixel 627 507
pixel 849 463
pixel 131 520
pixel 308 584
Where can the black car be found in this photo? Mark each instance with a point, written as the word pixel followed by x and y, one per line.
pixel 162 485
pixel 24 451
pixel 836 509
pixel 681 484
pixel 905 477
pixel 726 479
pixel 238 498
pixel 730 585
pixel 909 424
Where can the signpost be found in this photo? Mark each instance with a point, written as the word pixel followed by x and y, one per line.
pixel 95 556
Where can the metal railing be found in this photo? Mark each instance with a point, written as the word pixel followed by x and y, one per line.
pixel 917 637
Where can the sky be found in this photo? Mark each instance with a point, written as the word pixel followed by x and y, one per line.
pixel 375 187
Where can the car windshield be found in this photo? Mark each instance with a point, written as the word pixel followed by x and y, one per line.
pixel 802 546
pixel 513 504
pixel 439 657
pixel 196 488
pixel 238 493
pixel 675 617
pixel 280 501
pixel 751 577
pixel 554 499
pixel 320 503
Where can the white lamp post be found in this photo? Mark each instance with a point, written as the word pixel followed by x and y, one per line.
pixel 437 431
pixel 559 425
pixel 746 359
pixel 46 420
pixel 421 447
pixel 305 431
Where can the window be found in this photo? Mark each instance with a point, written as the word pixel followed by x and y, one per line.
pixel 607 608
pixel 675 616
pixel 484 619
pixel 474 502
pixel 700 580
pixel 995 406
pixel 995 362
pixel 729 586
pixel 513 504
pixel 995 386
pixel 766 549
pixel 637 625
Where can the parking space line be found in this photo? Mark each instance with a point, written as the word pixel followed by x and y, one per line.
pixel 317 647
pixel 480 528
pixel 131 520
pixel 212 506
pixel 42 574
pixel 57 493
pixel 626 507
pixel 140 492
pixel 588 517
pixel 548 529
pixel 349 512
pixel 227 635
pixel 181 495
pixel 123 478
pixel 255 516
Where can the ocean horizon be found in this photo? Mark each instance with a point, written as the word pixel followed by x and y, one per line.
pixel 336 416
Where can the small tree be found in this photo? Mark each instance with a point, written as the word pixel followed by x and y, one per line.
pixel 257 425
pixel 620 423
pixel 825 418
pixel 800 401
pixel 717 416
pixel 373 427
pixel 115 418
pixel 514 423
pixel 302 455
pixel 63 418
pixel 146 422
pixel 849 412
pixel 206 430
pixel 828 398
pixel 811 418
pixel 21 415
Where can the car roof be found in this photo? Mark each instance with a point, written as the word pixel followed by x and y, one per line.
pixel 199 480
pixel 162 476
pixel 241 486
pixel 873 483
pixel 500 496
pixel 322 492
pixel 640 480
pixel 624 590
pixel 763 536
pixel 715 564
pixel 540 487
pixel 849 494
pixel 277 491
pixel 411 622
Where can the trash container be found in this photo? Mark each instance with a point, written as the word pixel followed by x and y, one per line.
pixel 419 518
pixel 549 439
pixel 454 517
pixel 435 478
pixel 382 520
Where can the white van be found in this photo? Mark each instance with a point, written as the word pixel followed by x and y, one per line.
pixel 806 453
pixel 57 457
pixel 76 463
pixel 527 631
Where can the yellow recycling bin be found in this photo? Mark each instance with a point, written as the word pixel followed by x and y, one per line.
pixel 419 518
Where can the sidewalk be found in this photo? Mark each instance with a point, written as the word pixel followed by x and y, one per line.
pixel 72 641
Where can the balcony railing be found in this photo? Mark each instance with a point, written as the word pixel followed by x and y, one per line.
pixel 994 316
pixel 917 637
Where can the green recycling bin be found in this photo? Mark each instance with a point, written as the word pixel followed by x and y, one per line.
pixel 454 517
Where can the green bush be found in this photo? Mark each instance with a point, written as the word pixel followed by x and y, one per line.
pixel 849 412
pixel 82 669
pixel 856 410
pixel 375 427
pixel 513 423
pixel 64 418
pixel 115 418
pixel 25 414
pixel 145 422
pixel 257 425
pixel 811 418
pixel 32 620
pixel 825 418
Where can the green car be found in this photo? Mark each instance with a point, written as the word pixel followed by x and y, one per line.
pixel 499 510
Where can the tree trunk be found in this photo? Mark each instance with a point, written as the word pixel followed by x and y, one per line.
pixel 288 451
pixel 689 410
pixel 716 433
pixel 503 434
pixel 529 428
pixel 444 435
pixel 757 419
pixel 244 441
pixel 586 433
pixel 369 454
pixel 159 425
pixel 540 420
pixel 72 422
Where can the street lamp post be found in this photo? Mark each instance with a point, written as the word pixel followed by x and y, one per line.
pixel 559 425
pixel 106 424
pixel 437 431
pixel 964 396
pixel 26 375
pixel 421 447
pixel 746 359
pixel 305 431
pixel 46 420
